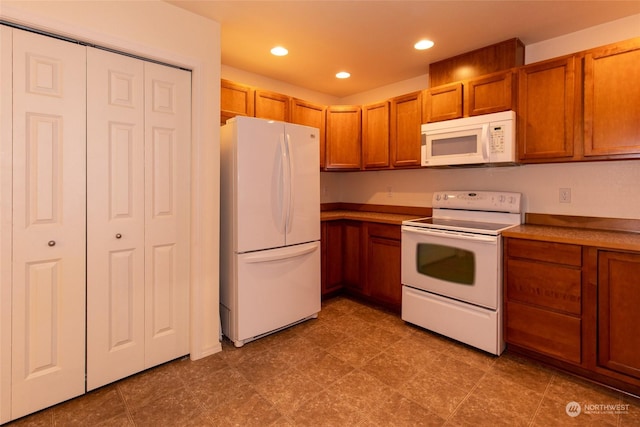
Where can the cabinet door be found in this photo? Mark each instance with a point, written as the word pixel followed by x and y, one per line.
pixel 314 115
pixel 375 136
pixel 618 315
pixel 546 97
pixel 343 137
pixel 167 212
pixel 115 217
pixel 612 102
pixel 351 255
pixel 49 198
pixel 235 99
pixel 331 256
pixel 382 272
pixel 271 105
pixel 490 94
pixel 406 120
pixel 443 103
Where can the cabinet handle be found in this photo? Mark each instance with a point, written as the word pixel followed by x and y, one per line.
pixel 118 236
pixel 51 243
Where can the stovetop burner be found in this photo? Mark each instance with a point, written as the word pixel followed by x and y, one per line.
pixel 481 212
pixel 446 223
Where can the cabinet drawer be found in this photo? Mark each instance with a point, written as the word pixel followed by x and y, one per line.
pixel 554 334
pixel 549 286
pixel 557 253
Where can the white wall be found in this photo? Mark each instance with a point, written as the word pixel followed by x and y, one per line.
pixel 158 30
pixel 604 189
pixel 251 79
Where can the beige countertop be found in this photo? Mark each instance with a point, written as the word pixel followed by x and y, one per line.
pixel 621 240
pixel 386 218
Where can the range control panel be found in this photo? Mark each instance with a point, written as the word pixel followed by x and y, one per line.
pixel 490 201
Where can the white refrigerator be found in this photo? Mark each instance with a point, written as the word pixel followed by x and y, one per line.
pixel 269 226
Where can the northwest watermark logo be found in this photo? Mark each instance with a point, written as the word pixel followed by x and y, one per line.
pixel 573 409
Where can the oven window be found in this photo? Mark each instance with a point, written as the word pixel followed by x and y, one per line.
pixel 446 263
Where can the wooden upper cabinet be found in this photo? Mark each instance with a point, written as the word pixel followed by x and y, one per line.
pixel 343 137
pixel 490 94
pixel 612 101
pixel 482 95
pixel 271 105
pixel 443 103
pixel 375 136
pixel 406 120
pixel 235 100
pixel 546 107
pixel 314 115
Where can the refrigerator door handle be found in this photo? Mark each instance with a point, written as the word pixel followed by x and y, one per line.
pixel 290 184
pixel 280 254
pixel 285 182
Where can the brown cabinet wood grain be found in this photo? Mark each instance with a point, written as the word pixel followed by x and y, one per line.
pixel 490 94
pixel 406 120
pixel 543 297
pixel 582 318
pixel 351 255
pixel 314 115
pixel 618 312
pixel 546 110
pixel 444 103
pixel 375 136
pixel 612 101
pixel 235 99
pixel 271 105
pixel 331 256
pixel 382 264
pixel 343 137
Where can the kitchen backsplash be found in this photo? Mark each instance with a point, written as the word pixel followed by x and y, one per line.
pixel 603 189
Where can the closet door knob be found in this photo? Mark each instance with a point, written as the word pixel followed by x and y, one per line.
pixel 51 243
pixel 118 236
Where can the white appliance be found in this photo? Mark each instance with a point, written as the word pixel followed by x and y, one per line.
pixel 477 140
pixel 452 266
pixel 270 227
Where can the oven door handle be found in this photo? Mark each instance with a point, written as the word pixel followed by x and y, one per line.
pixel 451 234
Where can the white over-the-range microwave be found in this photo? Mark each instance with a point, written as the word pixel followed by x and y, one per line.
pixel 489 139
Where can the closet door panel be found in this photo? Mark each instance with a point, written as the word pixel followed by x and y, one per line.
pixel 6 150
pixel 115 217
pixel 48 274
pixel 167 228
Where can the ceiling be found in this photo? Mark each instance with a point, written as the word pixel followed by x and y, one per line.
pixel 373 40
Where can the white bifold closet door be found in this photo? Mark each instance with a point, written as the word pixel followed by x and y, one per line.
pixel 138 194
pixel 48 250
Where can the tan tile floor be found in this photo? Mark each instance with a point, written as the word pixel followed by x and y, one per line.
pixel 353 366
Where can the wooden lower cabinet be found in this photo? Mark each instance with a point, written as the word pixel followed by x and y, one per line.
pixel 382 264
pixel 543 297
pixel 575 307
pixel 352 255
pixel 331 256
pixel 363 260
pixel 618 312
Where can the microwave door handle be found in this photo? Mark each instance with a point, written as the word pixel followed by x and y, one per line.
pixel 486 142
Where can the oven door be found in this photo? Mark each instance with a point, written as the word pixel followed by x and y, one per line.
pixel 453 264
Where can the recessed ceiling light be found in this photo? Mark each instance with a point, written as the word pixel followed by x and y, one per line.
pixel 423 44
pixel 343 75
pixel 279 51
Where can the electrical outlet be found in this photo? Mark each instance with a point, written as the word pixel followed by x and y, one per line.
pixel 389 191
pixel 565 195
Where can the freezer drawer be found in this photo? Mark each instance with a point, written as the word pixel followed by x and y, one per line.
pixel 274 288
